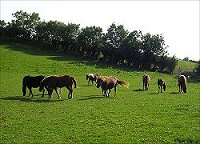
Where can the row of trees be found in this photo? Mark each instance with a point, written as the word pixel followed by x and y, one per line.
pixel 116 46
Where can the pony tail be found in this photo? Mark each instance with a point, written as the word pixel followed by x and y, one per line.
pixel 24 85
pixel 125 84
pixel 74 81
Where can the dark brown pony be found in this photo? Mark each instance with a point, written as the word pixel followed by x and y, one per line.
pixel 53 82
pixel 31 82
pixel 91 77
pixel 182 84
pixel 107 83
pixel 161 85
pixel 146 81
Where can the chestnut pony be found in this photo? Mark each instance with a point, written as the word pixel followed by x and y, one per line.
pixel 107 83
pixel 31 82
pixel 146 81
pixel 182 84
pixel 91 77
pixel 161 85
pixel 53 82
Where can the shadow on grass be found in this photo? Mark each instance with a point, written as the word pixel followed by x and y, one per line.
pixel 29 99
pixel 93 97
pixel 154 93
pixel 174 93
pixel 138 90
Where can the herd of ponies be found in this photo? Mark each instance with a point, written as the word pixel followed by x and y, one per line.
pixel 106 83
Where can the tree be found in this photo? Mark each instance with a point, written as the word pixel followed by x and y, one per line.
pixel 50 33
pixel 153 46
pixel 2 29
pixel 114 38
pixel 132 48
pixel 171 64
pixel 198 69
pixel 89 41
pixel 70 34
pixel 27 23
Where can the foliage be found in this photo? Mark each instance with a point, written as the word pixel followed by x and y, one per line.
pixel 198 69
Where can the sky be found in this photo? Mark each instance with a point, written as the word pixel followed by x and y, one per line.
pixel 176 21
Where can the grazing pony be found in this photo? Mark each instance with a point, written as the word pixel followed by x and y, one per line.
pixel 182 83
pixel 146 81
pixel 31 82
pixel 161 85
pixel 91 77
pixel 53 82
pixel 107 83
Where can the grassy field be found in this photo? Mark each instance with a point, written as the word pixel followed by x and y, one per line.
pixel 133 116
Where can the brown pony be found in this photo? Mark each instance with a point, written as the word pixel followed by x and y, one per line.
pixel 107 83
pixel 91 77
pixel 146 81
pixel 182 84
pixel 31 82
pixel 161 85
pixel 53 82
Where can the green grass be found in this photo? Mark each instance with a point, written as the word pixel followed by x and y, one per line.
pixel 187 66
pixel 133 116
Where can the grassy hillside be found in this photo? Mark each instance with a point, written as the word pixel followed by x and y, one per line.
pixel 133 116
pixel 187 66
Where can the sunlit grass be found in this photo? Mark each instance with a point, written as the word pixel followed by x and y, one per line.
pixel 133 116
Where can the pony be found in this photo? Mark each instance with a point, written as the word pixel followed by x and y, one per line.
pixel 107 83
pixel 31 82
pixel 161 85
pixel 182 83
pixel 91 77
pixel 53 82
pixel 146 81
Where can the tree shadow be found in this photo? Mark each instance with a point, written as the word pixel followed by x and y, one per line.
pixel 29 99
pixel 60 56
pixel 89 97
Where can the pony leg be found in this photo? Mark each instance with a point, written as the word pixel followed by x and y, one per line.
pixel 115 89
pixel 57 93
pixel 50 91
pixel 30 92
pixel 109 90
pixel 70 92
pixel 60 91
pixel 102 92
pixel 43 93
